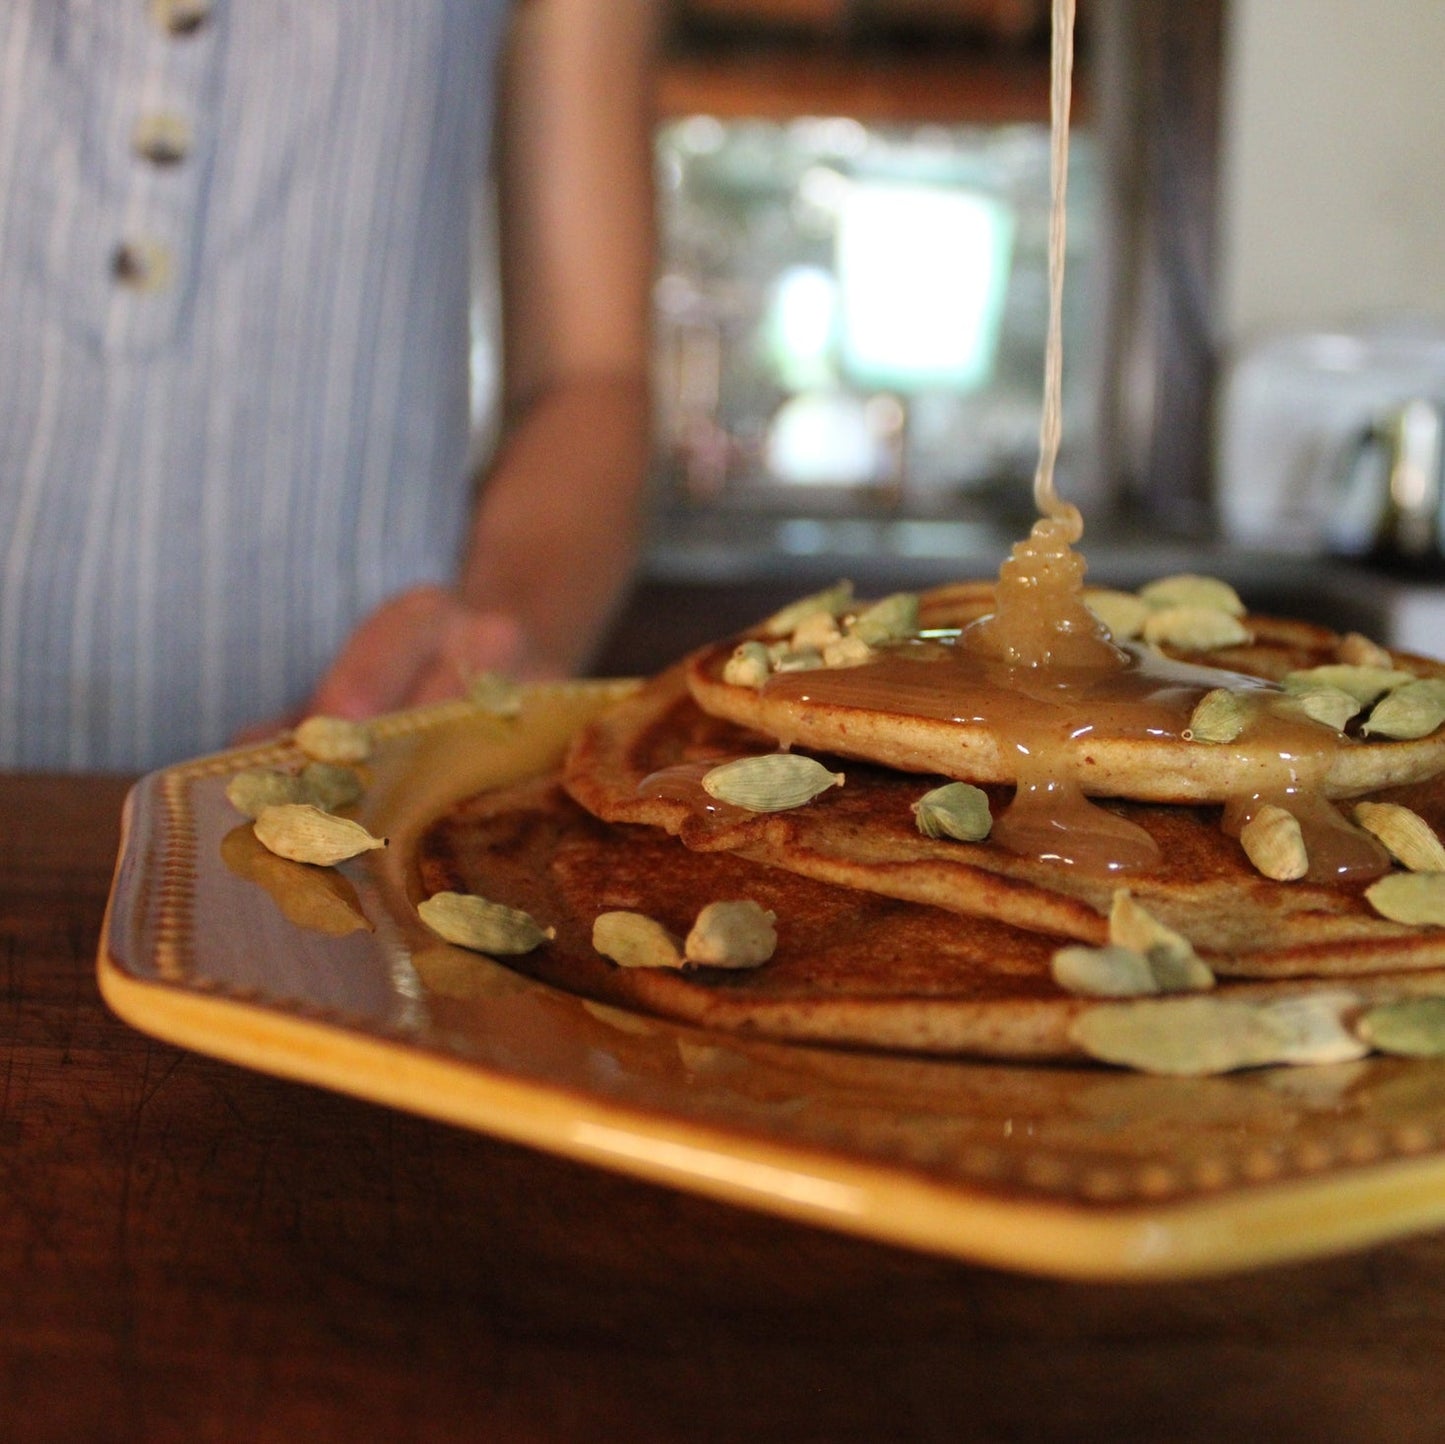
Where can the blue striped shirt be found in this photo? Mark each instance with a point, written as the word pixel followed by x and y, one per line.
pixel 234 400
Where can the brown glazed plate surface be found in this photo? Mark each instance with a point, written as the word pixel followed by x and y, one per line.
pixel 1073 1171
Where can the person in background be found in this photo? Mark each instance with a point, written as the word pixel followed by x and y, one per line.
pixel 236 469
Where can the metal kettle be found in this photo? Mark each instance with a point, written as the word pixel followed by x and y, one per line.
pixel 1390 500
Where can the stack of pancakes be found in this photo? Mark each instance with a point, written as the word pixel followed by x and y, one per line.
pixel 888 938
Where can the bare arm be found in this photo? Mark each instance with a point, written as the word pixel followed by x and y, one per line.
pixel 554 536
pixel 556 530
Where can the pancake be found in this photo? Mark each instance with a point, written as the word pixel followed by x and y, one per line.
pixel 851 969
pixel 903 710
pixel 863 836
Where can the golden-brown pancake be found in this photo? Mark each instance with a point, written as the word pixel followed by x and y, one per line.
pixel 863 836
pixel 851 969
pixel 899 713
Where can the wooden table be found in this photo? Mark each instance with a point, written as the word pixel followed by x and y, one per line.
pixel 193 1251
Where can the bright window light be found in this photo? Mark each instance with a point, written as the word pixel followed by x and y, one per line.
pixel 922 271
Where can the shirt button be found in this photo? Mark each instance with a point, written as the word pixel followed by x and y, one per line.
pixel 141 265
pixel 180 17
pixel 162 139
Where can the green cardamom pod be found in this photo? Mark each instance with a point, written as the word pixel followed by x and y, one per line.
pixel 731 934
pixel 772 782
pixel 333 739
pixel 255 788
pixel 481 925
pixel 1188 589
pixel 957 809
pixel 748 666
pixel 889 620
pixel 1364 683
pixel 834 600
pixel 1331 706
pixel 1413 709
pixel 1406 1028
pixel 1414 898
pixel 1108 972
pixel 1407 837
pixel 1122 613
pixel 634 940
pixel 306 833
pixel 1219 716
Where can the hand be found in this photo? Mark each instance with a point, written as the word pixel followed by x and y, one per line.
pixel 422 645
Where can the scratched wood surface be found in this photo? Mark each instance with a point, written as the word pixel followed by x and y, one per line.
pixel 192 1251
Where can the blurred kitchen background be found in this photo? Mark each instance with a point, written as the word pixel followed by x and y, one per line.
pixel 851 302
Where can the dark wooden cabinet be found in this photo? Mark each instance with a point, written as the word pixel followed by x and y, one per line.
pixel 980 61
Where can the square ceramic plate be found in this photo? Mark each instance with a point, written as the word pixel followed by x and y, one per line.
pixel 327 976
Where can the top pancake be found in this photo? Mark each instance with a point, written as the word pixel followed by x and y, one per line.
pixel 1144 768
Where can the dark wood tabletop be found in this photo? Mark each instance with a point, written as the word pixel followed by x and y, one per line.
pixel 194 1251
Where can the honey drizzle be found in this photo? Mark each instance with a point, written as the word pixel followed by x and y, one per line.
pixel 1051 425
pixel 1040 618
pixel 1040 630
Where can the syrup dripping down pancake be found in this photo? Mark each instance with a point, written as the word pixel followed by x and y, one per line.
pixel 851 969
pixel 911 710
pixel 862 836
